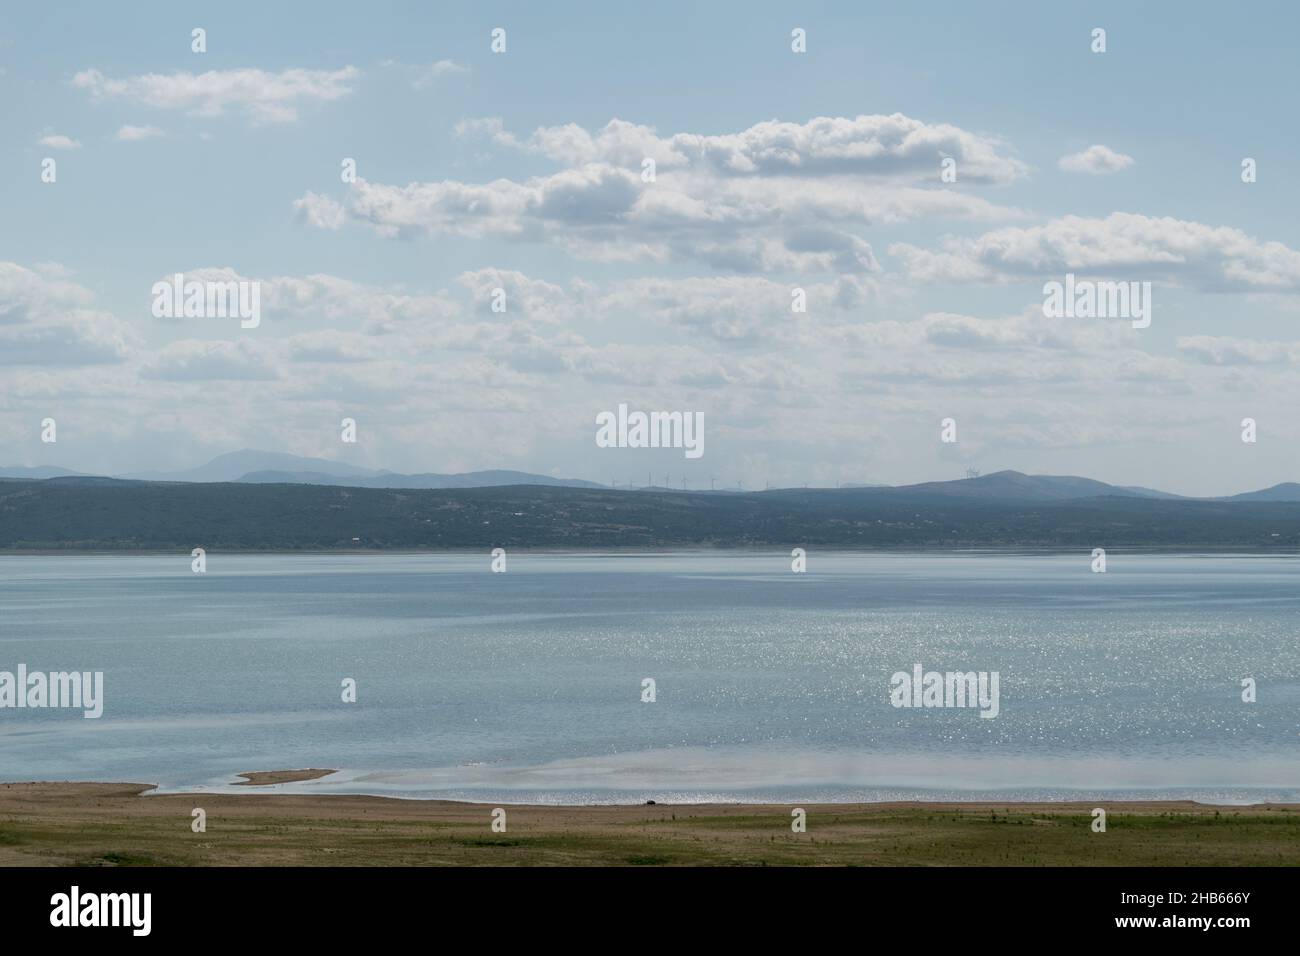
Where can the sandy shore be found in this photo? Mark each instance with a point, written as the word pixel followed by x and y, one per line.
pixel 112 824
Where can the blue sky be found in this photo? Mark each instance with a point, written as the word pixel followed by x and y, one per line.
pixel 925 297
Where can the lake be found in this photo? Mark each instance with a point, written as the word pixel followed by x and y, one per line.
pixel 527 686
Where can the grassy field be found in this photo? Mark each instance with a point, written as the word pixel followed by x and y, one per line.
pixel 115 825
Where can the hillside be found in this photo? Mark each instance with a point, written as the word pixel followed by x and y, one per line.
pixel 79 514
pixel 1287 491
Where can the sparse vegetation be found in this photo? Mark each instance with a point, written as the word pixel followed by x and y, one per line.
pixel 112 825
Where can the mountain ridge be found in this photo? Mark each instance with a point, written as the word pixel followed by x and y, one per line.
pixel 253 466
pixel 249 466
pixel 430 481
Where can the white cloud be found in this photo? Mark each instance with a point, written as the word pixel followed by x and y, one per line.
pixel 58 141
pixel 778 197
pixel 320 211
pixel 1096 160
pixel 540 301
pixel 1211 258
pixel 264 97
pixel 873 145
pixel 45 319
pixel 131 134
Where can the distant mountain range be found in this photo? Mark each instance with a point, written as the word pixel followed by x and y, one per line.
pixel 1287 491
pixel 236 464
pixel 37 474
pixel 471 479
pixel 266 467
pixel 1016 486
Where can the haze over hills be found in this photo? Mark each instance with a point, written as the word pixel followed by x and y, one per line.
pixel 388 479
pixel 279 467
pixel 264 467
pixel 234 465
pixel 36 474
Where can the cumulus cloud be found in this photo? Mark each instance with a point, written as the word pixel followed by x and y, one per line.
pixel 263 96
pixel 1210 258
pixel 541 301
pixel 320 211
pixel 873 145
pixel 1096 160
pixel 777 197
pixel 46 319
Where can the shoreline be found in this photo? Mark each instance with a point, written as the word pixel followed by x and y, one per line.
pixel 270 778
pixel 285 782
pixel 108 824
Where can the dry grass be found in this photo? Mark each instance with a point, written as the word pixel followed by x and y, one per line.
pixel 115 825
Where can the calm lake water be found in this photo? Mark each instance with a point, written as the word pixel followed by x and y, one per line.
pixel 526 686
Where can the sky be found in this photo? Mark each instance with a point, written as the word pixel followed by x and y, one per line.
pixel 775 170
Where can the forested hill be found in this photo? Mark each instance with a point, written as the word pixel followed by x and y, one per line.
pixel 108 514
